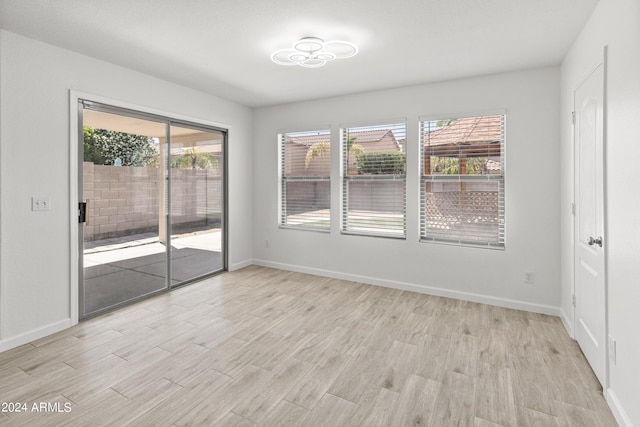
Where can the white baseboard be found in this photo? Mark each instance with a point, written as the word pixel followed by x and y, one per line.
pixel 242 264
pixel 568 324
pixel 618 412
pixel 430 290
pixel 35 334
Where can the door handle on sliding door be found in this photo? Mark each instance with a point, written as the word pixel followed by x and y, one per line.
pixel 82 212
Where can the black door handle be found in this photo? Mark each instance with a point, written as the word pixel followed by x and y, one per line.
pixel 82 212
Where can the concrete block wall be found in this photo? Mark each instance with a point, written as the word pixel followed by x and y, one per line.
pixel 123 200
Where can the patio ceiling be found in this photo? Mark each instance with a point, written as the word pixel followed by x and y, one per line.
pixel 180 137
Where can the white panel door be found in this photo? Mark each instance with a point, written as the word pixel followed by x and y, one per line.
pixel 590 291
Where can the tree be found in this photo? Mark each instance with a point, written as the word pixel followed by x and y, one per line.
pixel 193 159
pixel 92 151
pixel 381 163
pixel 443 123
pixel 451 165
pixel 318 149
pixel 353 148
pixel 103 147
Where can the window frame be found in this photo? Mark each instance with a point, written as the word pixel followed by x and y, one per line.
pixel 345 178
pixel 283 179
pixel 500 178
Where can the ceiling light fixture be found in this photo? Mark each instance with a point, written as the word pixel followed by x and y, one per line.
pixel 312 52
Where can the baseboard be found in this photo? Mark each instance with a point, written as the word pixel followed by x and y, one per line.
pixel 33 335
pixel 242 264
pixel 618 412
pixel 430 290
pixel 568 324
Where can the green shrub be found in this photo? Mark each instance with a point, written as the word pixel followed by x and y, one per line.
pixel 381 163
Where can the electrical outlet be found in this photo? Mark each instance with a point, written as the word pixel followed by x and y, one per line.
pixel 612 349
pixel 529 277
pixel 40 204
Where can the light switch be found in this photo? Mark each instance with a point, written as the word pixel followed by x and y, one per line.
pixel 40 204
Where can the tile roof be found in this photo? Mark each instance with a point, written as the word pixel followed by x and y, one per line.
pixel 308 140
pixel 479 136
pixel 467 131
pixel 362 137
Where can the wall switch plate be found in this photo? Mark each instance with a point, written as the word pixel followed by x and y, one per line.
pixel 40 204
pixel 529 277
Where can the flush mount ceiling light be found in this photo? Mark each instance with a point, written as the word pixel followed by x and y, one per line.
pixel 312 52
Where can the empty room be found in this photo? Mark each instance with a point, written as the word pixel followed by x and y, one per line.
pixel 357 213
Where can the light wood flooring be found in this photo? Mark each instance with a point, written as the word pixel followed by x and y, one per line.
pixel 272 348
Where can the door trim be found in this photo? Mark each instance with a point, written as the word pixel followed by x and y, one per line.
pixel 74 170
pixel 600 61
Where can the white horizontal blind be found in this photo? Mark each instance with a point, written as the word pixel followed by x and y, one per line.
pixel 462 180
pixel 374 180
pixel 305 184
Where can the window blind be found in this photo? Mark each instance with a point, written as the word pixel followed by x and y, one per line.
pixel 305 184
pixel 462 180
pixel 374 180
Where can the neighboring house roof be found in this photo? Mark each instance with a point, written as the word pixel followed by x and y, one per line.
pixel 473 136
pixel 363 138
pixel 308 140
pixel 368 136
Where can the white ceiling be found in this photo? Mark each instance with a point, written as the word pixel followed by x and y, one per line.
pixel 223 47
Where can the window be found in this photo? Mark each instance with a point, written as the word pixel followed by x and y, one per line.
pixel 462 184
pixel 373 180
pixel 305 184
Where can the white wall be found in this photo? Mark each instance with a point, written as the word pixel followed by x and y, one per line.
pixel 35 247
pixel 531 101
pixel 616 24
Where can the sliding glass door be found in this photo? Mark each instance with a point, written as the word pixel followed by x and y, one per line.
pixel 152 212
pixel 196 202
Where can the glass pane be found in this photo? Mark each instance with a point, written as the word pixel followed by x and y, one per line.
pixel 305 179
pixel 306 203
pixel 464 212
pixel 375 207
pixel 307 154
pixel 375 150
pixel 196 203
pixel 463 146
pixel 374 168
pixel 124 254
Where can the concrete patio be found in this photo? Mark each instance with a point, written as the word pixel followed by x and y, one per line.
pixel 125 268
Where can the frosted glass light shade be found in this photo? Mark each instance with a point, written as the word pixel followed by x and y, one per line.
pixel 312 52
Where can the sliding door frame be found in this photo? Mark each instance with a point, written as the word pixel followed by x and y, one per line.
pixel 99 103
pixel 225 198
pixel 83 105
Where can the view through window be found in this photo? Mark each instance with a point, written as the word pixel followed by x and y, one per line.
pixel 374 180
pixel 462 180
pixel 305 182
